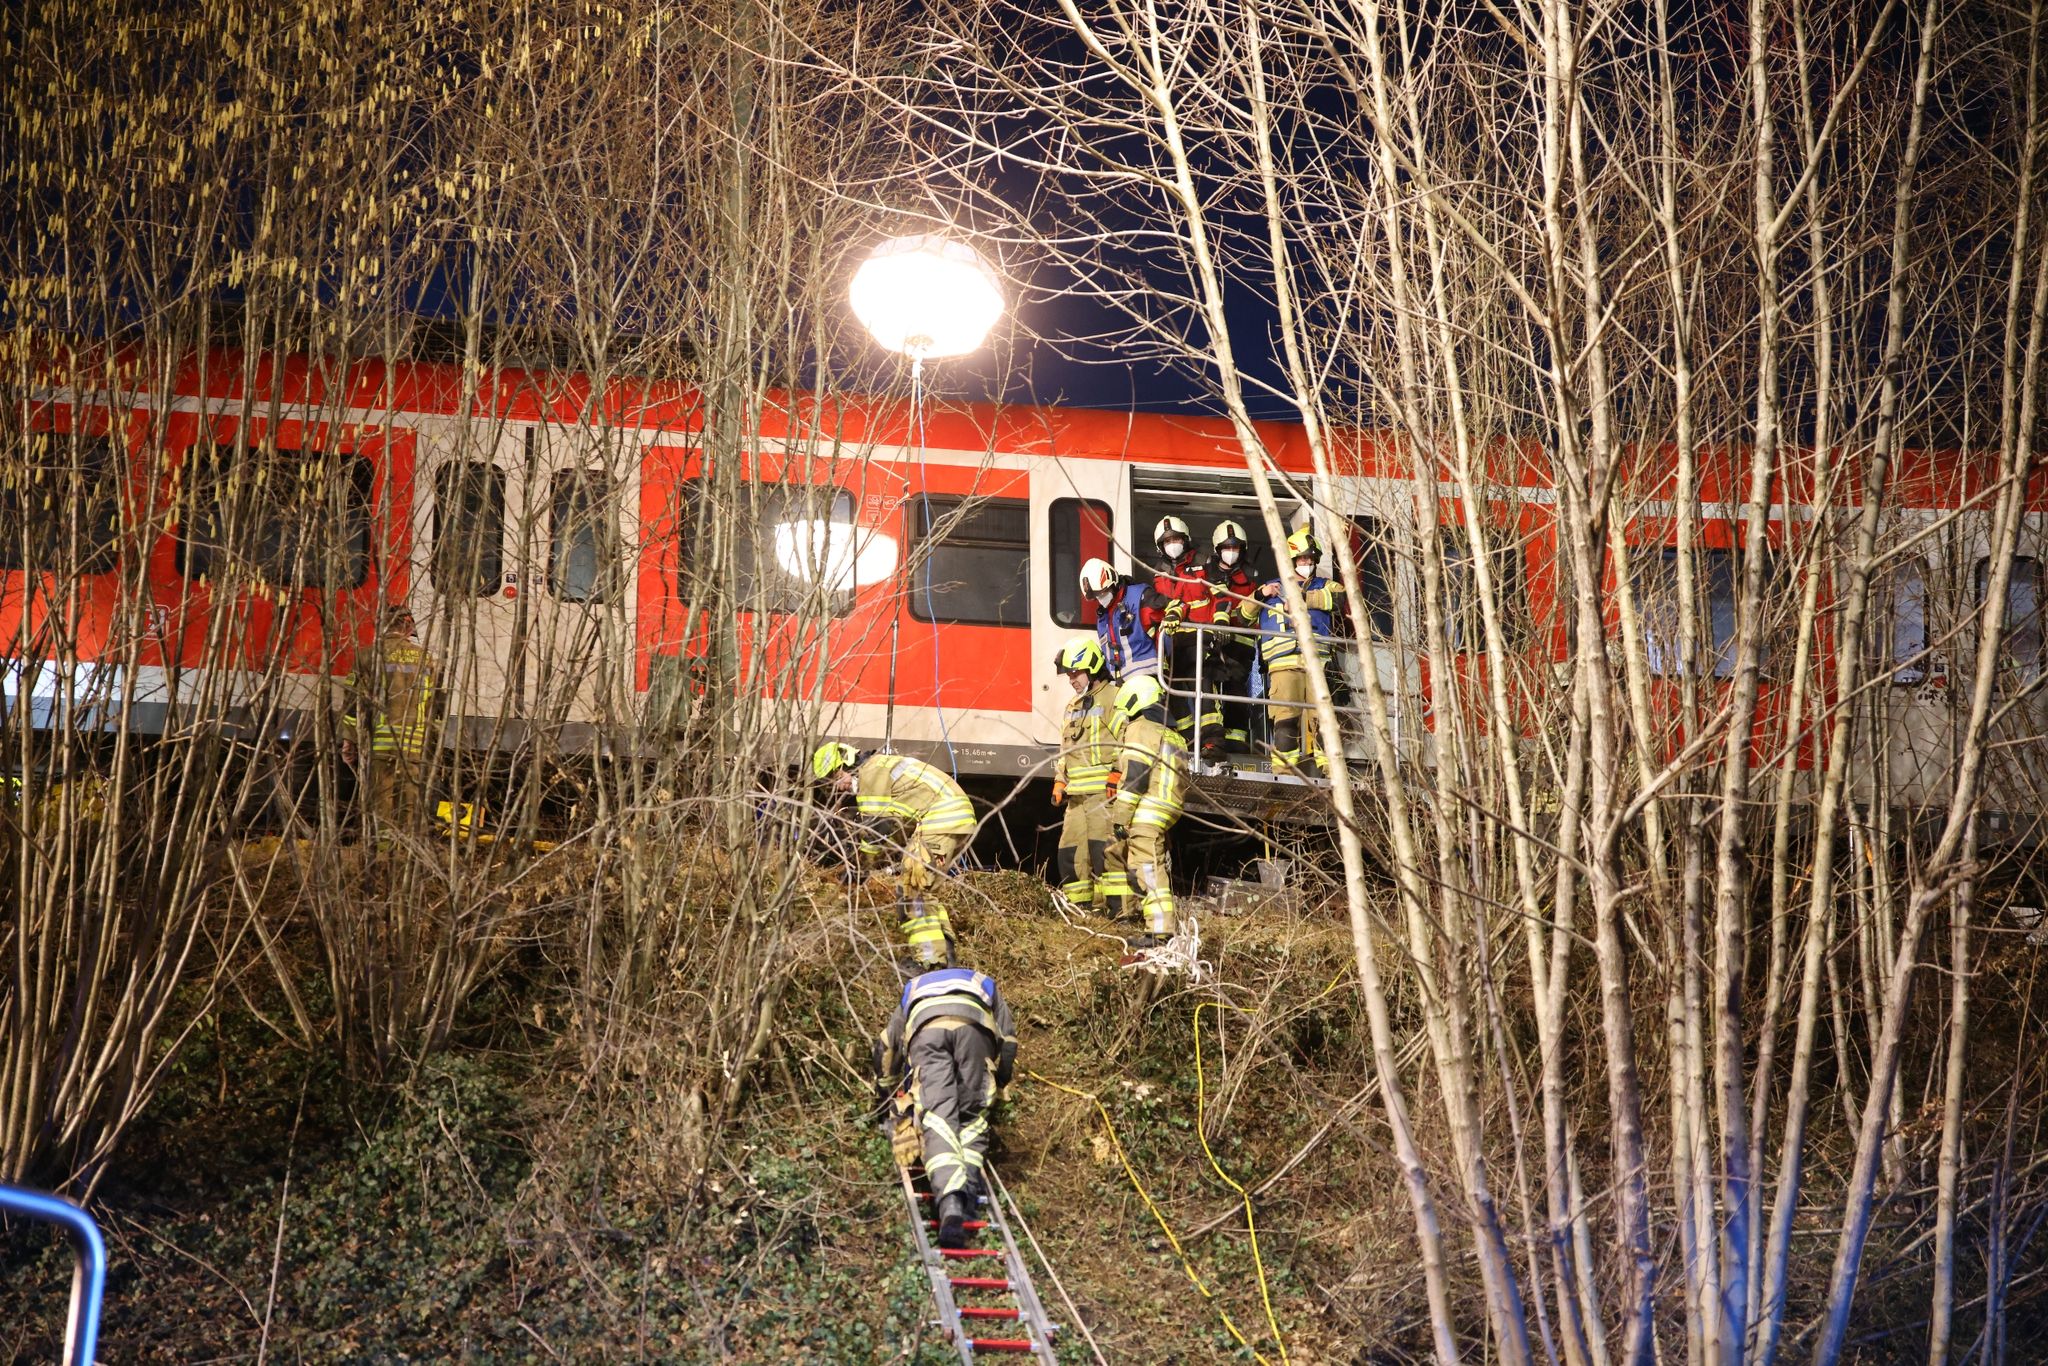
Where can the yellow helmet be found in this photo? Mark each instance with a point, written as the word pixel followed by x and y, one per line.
pixel 1137 696
pixel 830 757
pixel 1304 543
pixel 1081 654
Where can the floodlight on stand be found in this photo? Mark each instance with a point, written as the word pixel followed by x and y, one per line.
pixel 926 297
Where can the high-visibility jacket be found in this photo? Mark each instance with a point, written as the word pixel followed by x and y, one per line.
pixel 1126 629
pixel 1277 646
pixel 393 688
pixel 895 788
pixel 1153 784
pixel 1186 583
pixel 947 994
pixel 1087 749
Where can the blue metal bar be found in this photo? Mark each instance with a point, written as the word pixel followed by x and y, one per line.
pixel 89 1258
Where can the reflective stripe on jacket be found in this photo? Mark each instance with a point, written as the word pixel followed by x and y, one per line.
pixel 947 994
pixel 1277 645
pixel 1188 582
pixel 394 690
pixel 1153 785
pixel 1126 632
pixel 1087 749
pixel 913 792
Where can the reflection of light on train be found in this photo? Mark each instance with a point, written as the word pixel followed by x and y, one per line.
pixel 835 554
pixel 555 565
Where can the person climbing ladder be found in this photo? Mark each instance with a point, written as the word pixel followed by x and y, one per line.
pixel 950 1045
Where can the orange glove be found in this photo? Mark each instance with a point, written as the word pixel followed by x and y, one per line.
pixel 1116 779
pixel 1059 790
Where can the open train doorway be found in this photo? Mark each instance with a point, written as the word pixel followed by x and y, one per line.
pixel 1203 499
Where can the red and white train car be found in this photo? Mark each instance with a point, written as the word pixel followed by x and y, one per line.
pixel 239 532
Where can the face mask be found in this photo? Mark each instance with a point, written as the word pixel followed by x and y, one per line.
pixel 1229 556
pixel 1304 569
pixel 1175 549
pixel 1102 598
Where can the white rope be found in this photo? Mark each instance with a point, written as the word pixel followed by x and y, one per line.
pixel 1180 955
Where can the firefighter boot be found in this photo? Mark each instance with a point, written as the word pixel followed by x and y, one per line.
pixel 953 1210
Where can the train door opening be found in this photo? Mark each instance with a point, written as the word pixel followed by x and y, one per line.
pixel 581 526
pixel 470 603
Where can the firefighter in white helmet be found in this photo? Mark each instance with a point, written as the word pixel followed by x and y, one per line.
pixel 1126 620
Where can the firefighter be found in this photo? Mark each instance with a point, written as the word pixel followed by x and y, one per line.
pixel 391 698
pixel 1151 783
pixel 1236 590
pixel 1280 655
pixel 932 820
pixel 1126 620
pixel 1081 781
pixel 951 1045
pixel 1182 594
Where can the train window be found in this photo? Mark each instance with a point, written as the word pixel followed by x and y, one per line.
pixel 793 546
pixel 1078 530
pixel 1717 592
pixel 2020 651
pixel 60 508
pixel 288 518
pixel 1463 624
pixel 469 528
pixel 971 560
pixel 583 546
pixel 1376 573
pixel 1909 624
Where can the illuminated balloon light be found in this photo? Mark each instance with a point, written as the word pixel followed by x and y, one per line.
pixel 927 297
pixel 837 554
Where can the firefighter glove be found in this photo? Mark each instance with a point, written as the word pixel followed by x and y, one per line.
pixel 1059 791
pixel 903 1141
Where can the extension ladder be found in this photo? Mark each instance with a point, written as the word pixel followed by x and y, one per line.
pixel 966 1272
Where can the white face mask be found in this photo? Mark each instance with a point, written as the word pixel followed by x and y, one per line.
pixel 1174 549
pixel 1102 598
pixel 1304 569
pixel 1229 555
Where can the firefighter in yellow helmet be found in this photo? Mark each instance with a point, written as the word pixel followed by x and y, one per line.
pixel 1151 787
pixel 1081 781
pixel 1294 734
pixel 928 816
pixel 391 704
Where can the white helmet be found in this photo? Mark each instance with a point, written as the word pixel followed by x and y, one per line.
pixel 1097 576
pixel 1169 526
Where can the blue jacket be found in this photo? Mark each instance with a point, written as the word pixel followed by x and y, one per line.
pixel 1277 646
pixel 1125 638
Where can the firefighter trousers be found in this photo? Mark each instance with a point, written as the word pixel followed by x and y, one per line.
pixel 1182 650
pixel 952 1086
pixel 1232 669
pixel 1294 732
pixel 1150 870
pixel 395 797
pixel 926 927
pixel 1083 859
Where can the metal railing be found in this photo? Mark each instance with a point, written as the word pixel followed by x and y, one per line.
pixel 89 1264
pixel 1337 654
